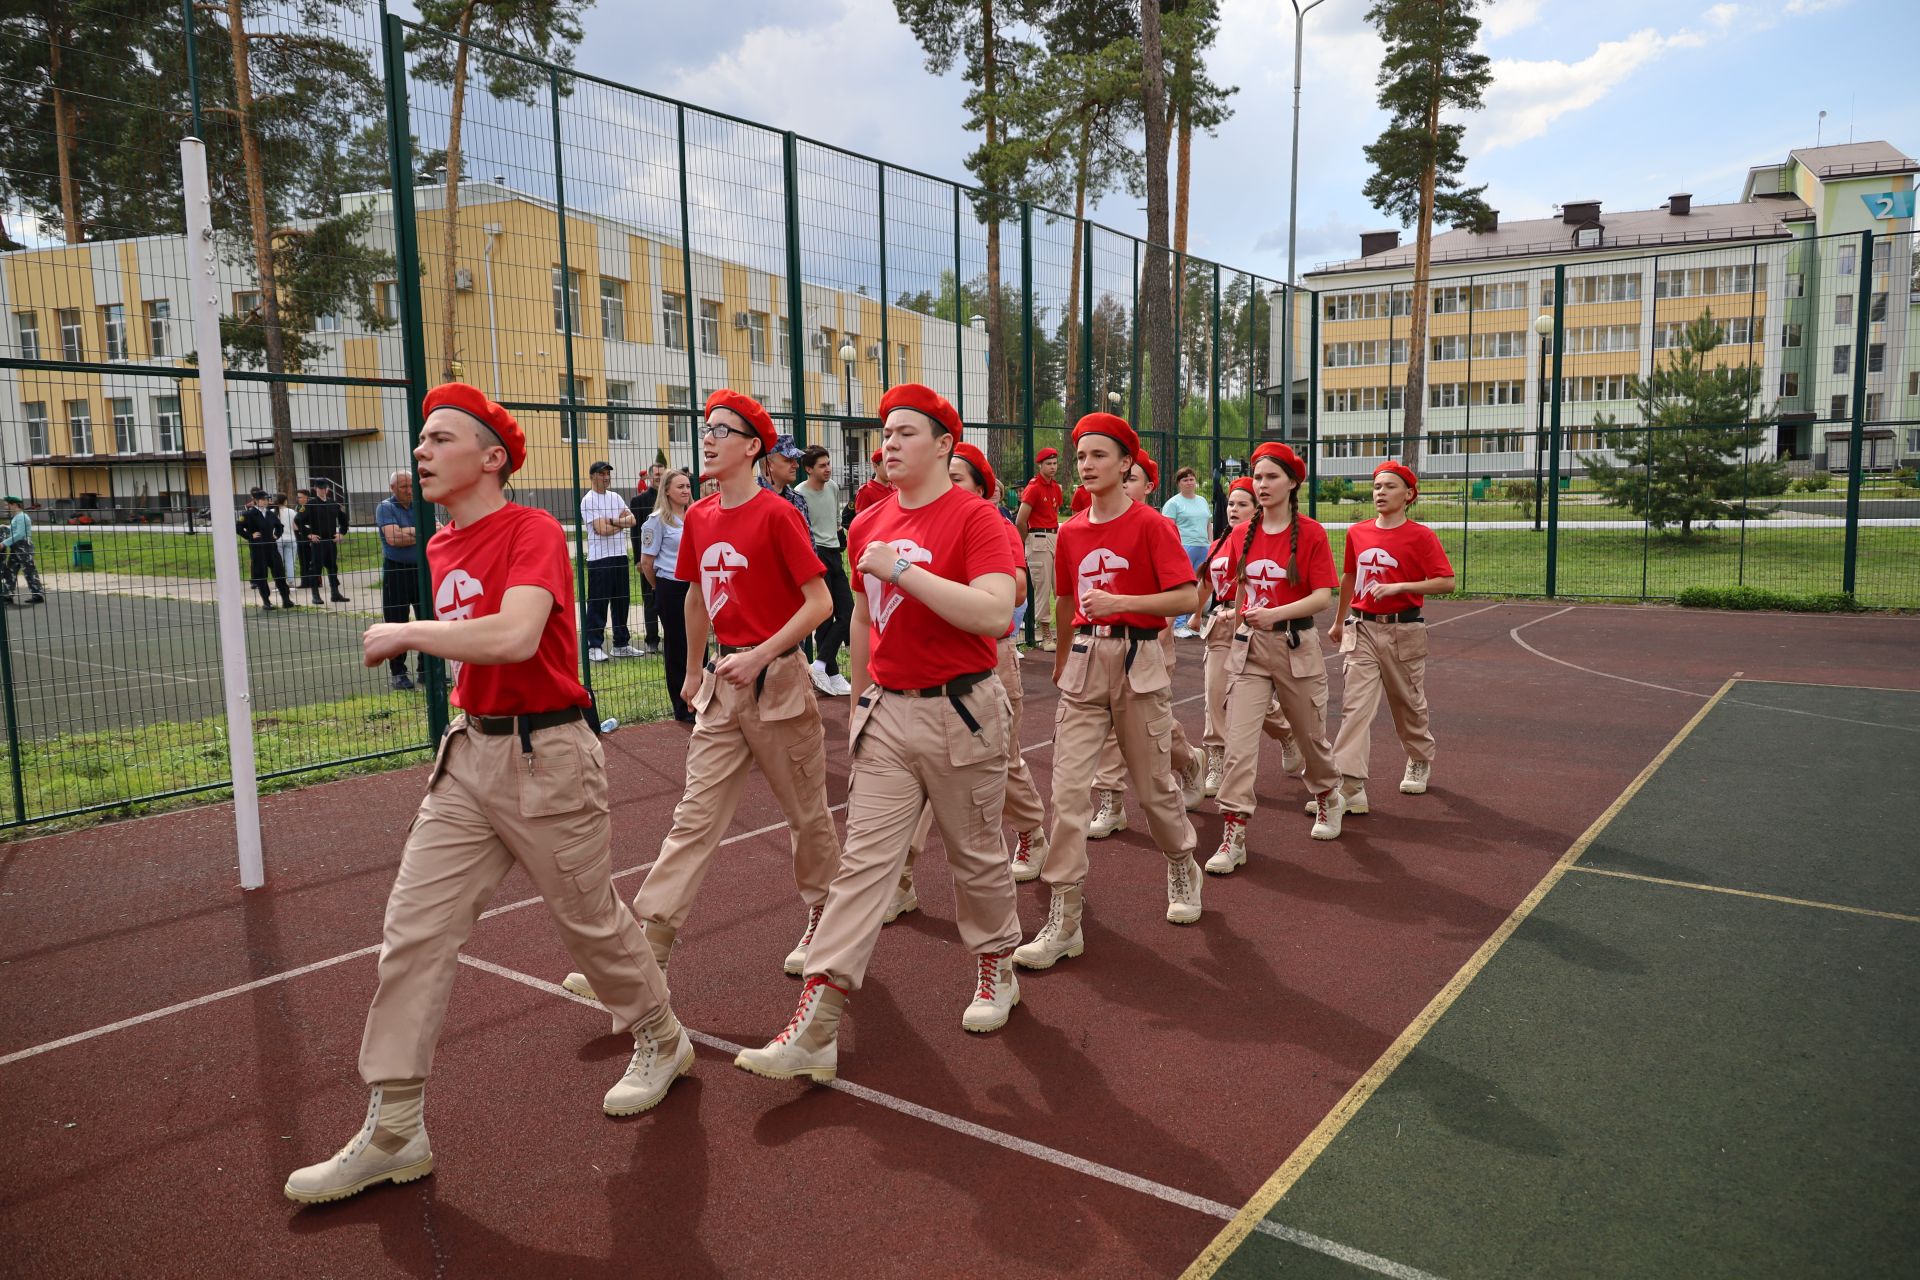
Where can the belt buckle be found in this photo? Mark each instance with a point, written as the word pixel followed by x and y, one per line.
pixel 1103 630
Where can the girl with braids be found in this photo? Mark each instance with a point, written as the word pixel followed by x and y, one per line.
pixel 1216 624
pixel 1283 575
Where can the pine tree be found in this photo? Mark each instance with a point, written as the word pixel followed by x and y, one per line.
pixel 1690 460
pixel 1156 301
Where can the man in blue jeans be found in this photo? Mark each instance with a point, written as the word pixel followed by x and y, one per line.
pixel 399 568
pixel 1194 519
pixel 607 518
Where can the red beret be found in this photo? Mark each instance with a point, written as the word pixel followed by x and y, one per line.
pixel 1402 470
pixel 1044 454
pixel 749 409
pixel 1283 455
pixel 921 399
pixel 1148 465
pixel 876 457
pixel 468 400
pixel 1107 424
pixel 1243 485
pixel 971 452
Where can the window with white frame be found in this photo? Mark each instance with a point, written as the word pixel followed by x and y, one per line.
pixel 1590 339
pixel 1612 386
pixel 1445 395
pixel 673 321
pixel 166 421
pixel 1842 359
pixel 1586 290
pixel 1877 308
pixel 124 440
pixel 327 322
pixel 72 337
pixel 1913 383
pixel 619 425
pixel 1449 347
pixel 1796 284
pixel 613 309
pixel 709 327
pixel 899 361
pixel 680 425
pixel 1837 407
pixel 572 391
pixel 159 328
pixel 1694 282
pixel 1498 346
pixel 1876 357
pixel 757 336
pixel 1586 238
pixel 1341 447
pixel 1882 253
pixel 386 299
pixel 566 300
pixel 1843 308
pixel 1874 401
pixel 1451 299
pixel 786 343
pixel 26 328
pixel 1340 355
pixel 1790 335
pixel 1506 296
pixel 113 330
pixel 1443 444
pixel 79 427
pixel 1845 259
pixel 1737 331
pixel 1508 391
pixel 36 414
pixel 1789 385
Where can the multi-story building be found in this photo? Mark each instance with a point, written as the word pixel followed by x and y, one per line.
pixel 112 429
pixel 1779 270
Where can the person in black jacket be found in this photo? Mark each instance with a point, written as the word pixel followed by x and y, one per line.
pixel 259 526
pixel 642 506
pixel 325 523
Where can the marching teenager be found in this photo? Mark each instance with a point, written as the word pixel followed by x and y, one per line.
pixel 874 490
pixel 1391 564
pixel 1038 521
pixel 1217 622
pixel 930 723
pixel 1122 575
pixel 1282 575
pixel 752 578
pixel 970 470
pixel 519 778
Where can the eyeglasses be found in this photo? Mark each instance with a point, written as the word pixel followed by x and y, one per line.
pixel 718 431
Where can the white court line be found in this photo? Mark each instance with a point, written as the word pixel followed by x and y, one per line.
pixel 107 666
pixel 1006 1141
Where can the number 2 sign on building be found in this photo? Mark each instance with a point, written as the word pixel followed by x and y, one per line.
pixel 1886 205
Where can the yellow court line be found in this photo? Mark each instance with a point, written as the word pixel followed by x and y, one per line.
pixel 1309 1150
pixel 1746 893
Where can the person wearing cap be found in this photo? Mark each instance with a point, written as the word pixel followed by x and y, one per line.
pixel 609 584
pixel 18 544
pixel 1391 564
pixel 780 469
pixel 519 779
pixel 259 527
pixel 754 582
pixel 322 523
pixel 1283 575
pixel 930 723
pixel 399 567
pixel 875 490
pixel 1122 575
pixel 1038 521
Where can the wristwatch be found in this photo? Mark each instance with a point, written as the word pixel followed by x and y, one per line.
pixel 900 566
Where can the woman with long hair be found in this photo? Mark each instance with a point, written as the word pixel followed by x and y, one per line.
pixel 1217 621
pixel 660 566
pixel 1283 575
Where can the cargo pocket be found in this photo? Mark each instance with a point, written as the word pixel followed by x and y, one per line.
pixel 786 692
pixel 857 720
pixel 983 813
pixel 1073 672
pixel 809 757
pixel 588 863
pixel 703 696
pixel 965 746
pixel 1410 642
pixel 1238 650
pixel 439 769
pixel 1149 672
pixel 553 780
pixel 1307 662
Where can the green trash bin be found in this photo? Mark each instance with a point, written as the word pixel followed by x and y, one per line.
pixel 1480 488
pixel 83 554
pixel 1566 483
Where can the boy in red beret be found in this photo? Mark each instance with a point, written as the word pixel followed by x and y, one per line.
pixel 1391 564
pixel 755 582
pixel 1038 521
pixel 933 588
pixel 1122 575
pixel 874 490
pixel 519 779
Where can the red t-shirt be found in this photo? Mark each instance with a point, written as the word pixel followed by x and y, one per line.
pixel 958 536
pixel 473 569
pixel 1267 584
pixel 868 494
pixel 1136 554
pixel 1019 559
pixel 753 560
pixel 1220 567
pixel 1082 499
pixel 1406 553
pixel 1042 497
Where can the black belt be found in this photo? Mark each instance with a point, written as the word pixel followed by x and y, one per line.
pixel 1048 533
pixel 1134 636
pixel 759 681
pixel 1292 628
pixel 953 690
pixel 501 726
pixel 1405 615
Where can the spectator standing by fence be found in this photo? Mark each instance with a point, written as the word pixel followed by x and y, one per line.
pixel 660 565
pixel 259 528
pixel 325 529
pixel 1038 520
pixel 19 553
pixel 1194 519
pixel 606 516
pixel 288 542
pixel 399 567
pixel 822 497
pixel 644 500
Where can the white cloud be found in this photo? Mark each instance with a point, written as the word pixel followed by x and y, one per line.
pixel 1812 6
pixel 1508 16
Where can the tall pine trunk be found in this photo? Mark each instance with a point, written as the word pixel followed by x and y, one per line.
pixel 1412 423
pixel 281 407
pixel 65 126
pixel 1183 182
pixel 999 394
pixel 457 109
pixel 1156 303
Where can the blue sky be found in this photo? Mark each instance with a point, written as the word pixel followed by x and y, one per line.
pixel 1627 101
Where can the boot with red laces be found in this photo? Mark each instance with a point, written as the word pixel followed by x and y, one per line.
pixel 1030 855
pixel 998 990
pixel 810 1046
pixel 796 962
pixel 1233 845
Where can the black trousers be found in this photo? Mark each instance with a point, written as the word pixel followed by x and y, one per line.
pixel 672 598
pixel 323 555
pixel 832 634
pixel 649 604
pixel 399 592
pixel 607 587
pixel 263 560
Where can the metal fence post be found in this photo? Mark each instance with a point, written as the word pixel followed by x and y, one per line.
pixel 567 411
pixel 413 338
pixel 1215 455
pixel 1086 320
pixel 1313 403
pixel 14 767
pixel 886 346
pixel 193 66
pixel 796 296
pixel 1857 407
pixel 1553 429
pixel 1133 383
pixel 959 320
pixel 1026 329
pixel 694 399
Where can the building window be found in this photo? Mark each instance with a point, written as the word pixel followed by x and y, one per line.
pixel 824 344
pixel 1444 395
pixel 1843 308
pixel 1452 347
pixel 123 433
pixel 613 309
pixel 79 427
pixel 572 391
pixel 36 411
pixel 1498 346
pixel 159 325
pixel 1837 407
pixel 166 418
pixel 1842 359
pixel 26 324
pixel 1789 335
pixel 786 343
pixel 1882 254
pixel 1599 387
pixel 566 304
pixel 1696 282
pixel 113 330
pixel 1913 383
pixel 246 304
pixel 1874 399
pixel 1508 392
pixel 757 336
pixel 1789 385
pixel 327 322
pixel 72 343
pixel 1587 238
pixel 619 425
pixel 1846 260
pixel 1796 285
pixel 1499 297
pixel 1603 338
pixel 673 321
pixel 1877 308
pixel 709 327
pixel 1876 357
pixel 899 360
pixel 1443 443
pixel 1450 300
pixel 386 299
pixel 680 425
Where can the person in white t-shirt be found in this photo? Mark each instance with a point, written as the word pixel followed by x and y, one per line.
pixel 607 518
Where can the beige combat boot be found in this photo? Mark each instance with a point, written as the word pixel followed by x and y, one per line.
pixel 1059 939
pixel 659 939
pixel 810 1046
pixel 390 1147
pixel 662 1053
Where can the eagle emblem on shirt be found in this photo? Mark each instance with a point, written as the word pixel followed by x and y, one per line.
pixel 884 597
pixel 718 564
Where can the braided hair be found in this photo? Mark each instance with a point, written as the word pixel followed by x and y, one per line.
pixel 1293 544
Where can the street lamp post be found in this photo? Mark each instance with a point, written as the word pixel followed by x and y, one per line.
pixel 847 354
pixel 1293 212
pixel 1543 328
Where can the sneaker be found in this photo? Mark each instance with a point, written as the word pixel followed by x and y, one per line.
pixel 839 686
pixel 1030 855
pixel 904 898
pixel 390 1147
pixel 596 654
pixel 659 939
pixel 1184 632
pixel 1046 645
pixel 1110 817
pixel 625 651
pixel 1193 780
pixel 1059 939
pixel 1327 811
pixel 810 1046
pixel 400 681
pixel 1414 782
pixel 1183 890
pixel 1233 845
pixel 796 961
pixel 818 674
pixel 994 997
pixel 1290 758
pixel 1353 794
pixel 1216 769
pixel 661 1054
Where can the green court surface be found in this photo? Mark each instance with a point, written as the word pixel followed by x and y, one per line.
pixel 1698 1054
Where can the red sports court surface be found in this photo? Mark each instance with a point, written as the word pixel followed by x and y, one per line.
pixel 170 1048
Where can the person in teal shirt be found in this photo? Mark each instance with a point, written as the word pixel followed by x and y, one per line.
pixel 19 550
pixel 1194 518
